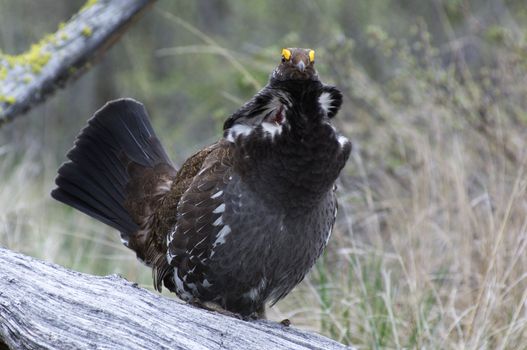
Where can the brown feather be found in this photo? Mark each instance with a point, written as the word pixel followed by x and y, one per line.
pixel 152 198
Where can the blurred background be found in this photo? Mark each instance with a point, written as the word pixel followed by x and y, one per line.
pixel 429 250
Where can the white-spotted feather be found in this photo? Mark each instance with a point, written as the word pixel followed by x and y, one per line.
pixel 237 130
pixel 277 103
pixel 218 222
pixel 325 101
pixel 343 140
pixel 219 209
pixel 216 195
pixel 272 128
pixel 220 238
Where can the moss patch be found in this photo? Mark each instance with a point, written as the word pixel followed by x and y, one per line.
pixel 7 99
pixel 3 72
pixel 35 58
pixel 87 31
pixel 88 4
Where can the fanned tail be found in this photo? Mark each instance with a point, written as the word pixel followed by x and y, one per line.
pixel 117 172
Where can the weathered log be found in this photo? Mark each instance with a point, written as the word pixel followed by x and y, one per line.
pixel 45 306
pixel 29 78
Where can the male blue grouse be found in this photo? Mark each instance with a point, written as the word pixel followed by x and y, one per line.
pixel 243 220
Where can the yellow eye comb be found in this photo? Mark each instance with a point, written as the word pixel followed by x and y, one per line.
pixel 286 54
pixel 311 56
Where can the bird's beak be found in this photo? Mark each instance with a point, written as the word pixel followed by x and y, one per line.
pixel 301 66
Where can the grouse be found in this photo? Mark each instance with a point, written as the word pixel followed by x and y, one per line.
pixel 243 220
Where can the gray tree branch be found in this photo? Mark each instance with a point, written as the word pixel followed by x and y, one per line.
pixel 29 78
pixel 45 306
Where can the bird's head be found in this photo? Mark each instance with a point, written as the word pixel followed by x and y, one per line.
pixel 293 98
pixel 296 64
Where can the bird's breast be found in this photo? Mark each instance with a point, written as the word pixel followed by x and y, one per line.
pixel 294 167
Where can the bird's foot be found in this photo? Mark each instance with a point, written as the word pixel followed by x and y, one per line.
pixel 285 322
pixel 210 306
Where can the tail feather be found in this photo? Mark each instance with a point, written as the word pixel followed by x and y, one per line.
pixel 99 164
pixel 70 193
pixel 94 195
pixel 118 138
pixel 131 130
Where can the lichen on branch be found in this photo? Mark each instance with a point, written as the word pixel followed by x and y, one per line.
pixel 28 78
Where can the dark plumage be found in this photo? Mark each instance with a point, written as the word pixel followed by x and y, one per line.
pixel 243 220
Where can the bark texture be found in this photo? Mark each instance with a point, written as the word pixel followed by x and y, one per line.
pixel 45 306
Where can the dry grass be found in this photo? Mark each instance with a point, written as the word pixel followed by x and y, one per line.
pixel 430 250
pixel 430 247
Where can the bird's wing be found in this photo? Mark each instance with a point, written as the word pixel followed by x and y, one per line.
pixel 199 208
pixel 152 199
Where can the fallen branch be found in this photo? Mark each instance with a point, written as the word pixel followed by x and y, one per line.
pixel 43 305
pixel 29 78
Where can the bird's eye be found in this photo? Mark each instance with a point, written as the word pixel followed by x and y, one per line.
pixel 286 55
pixel 312 56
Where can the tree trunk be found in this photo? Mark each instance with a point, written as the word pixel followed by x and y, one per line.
pixel 45 306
